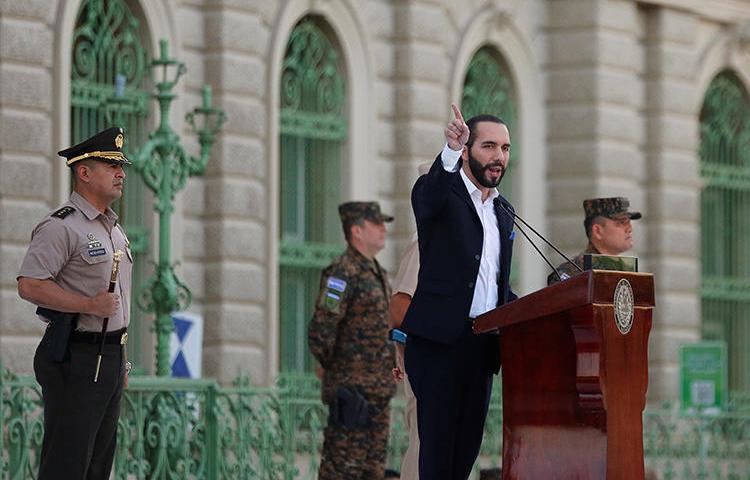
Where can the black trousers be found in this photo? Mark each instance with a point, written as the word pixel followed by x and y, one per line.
pixel 453 384
pixel 80 416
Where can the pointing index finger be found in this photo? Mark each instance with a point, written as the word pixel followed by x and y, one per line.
pixel 457 112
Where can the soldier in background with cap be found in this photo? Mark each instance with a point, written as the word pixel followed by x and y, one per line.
pixel 66 272
pixel 348 335
pixel 608 229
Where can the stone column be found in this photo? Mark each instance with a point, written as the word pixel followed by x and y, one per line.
pixel 235 194
pixel 421 76
pixel 673 250
pixel 26 162
pixel 594 127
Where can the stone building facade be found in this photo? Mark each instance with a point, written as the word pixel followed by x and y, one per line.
pixel 607 98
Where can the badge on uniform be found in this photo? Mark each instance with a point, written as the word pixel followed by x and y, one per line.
pixel 337 284
pixel 332 301
pixel 94 246
pixel 332 297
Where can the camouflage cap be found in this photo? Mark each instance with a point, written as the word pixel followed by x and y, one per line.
pixel 355 212
pixel 613 207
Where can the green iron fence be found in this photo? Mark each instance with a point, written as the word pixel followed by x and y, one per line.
pixel 195 429
pixel 698 447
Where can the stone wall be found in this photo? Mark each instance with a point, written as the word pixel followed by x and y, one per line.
pixel 609 94
pixel 27 186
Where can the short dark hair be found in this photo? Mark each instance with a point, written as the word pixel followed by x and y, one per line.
pixel 472 124
pixel 73 168
pixel 589 223
pixel 347 227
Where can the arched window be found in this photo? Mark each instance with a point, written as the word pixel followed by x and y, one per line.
pixel 488 89
pixel 725 222
pixel 107 89
pixel 313 130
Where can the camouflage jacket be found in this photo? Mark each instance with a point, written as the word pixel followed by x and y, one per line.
pixel 348 333
pixel 568 269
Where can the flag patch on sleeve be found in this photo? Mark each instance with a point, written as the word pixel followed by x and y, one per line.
pixel 332 301
pixel 336 284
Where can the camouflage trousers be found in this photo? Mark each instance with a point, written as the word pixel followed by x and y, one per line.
pixel 357 454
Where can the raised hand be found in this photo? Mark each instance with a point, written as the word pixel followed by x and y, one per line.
pixel 457 132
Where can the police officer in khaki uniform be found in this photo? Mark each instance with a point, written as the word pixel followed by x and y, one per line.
pixel 348 335
pixel 608 229
pixel 66 273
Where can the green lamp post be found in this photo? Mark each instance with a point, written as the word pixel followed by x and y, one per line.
pixel 165 167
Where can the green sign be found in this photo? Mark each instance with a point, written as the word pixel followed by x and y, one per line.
pixel 703 377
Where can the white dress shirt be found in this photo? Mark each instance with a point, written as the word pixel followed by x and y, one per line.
pixel 485 288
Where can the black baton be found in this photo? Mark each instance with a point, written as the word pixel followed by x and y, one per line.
pixel 111 289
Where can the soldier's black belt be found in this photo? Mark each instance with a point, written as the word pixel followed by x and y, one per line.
pixel 111 338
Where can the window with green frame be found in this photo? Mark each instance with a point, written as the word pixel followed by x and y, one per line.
pixel 725 222
pixel 488 89
pixel 108 47
pixel 313 130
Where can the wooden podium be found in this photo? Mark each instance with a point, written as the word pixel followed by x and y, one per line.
pixel 575 376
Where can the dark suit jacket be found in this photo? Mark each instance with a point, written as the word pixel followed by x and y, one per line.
pixel 450 247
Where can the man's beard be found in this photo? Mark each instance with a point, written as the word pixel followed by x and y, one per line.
pixel 480 172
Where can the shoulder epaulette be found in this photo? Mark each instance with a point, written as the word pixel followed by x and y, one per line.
pixel 63 212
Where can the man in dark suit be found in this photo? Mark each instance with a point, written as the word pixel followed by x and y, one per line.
pixel 465 242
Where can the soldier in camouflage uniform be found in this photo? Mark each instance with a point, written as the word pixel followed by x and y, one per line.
pixel 608 229
pixel 348 335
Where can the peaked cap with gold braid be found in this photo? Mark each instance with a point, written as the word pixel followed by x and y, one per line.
pixel 105 146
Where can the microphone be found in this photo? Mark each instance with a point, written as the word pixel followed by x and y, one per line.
pixel 512 215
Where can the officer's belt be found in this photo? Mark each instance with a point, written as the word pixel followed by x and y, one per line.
pixel 117 337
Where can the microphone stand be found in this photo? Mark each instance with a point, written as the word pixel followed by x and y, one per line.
pixel 513 217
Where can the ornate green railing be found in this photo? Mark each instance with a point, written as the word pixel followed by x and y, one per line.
pixel 195 429
pixel 698 446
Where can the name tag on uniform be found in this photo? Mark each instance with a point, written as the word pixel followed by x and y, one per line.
pixel 97 252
